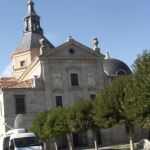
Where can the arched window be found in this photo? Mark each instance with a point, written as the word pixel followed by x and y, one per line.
pixel 121 73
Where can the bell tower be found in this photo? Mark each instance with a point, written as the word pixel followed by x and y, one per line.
pixel 29 46
pixel 32 20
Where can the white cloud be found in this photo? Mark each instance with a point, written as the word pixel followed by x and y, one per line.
pixel 7 72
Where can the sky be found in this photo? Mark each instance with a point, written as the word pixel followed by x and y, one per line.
pixel 121 26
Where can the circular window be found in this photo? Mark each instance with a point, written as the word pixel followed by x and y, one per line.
pixel 71 51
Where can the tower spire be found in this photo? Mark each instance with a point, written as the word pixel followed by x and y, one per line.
pixel 31 10
pixel 32 20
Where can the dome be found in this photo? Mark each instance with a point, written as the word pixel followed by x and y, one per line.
pixel 115 67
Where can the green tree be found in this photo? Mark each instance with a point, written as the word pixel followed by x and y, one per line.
pixel 73 126
pixel 138 91
pixel 79 118
pixel 56 124
pixel 38 124
pixel 111 106
pixel 84 115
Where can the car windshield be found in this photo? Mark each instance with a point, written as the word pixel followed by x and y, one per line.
pixel 26 142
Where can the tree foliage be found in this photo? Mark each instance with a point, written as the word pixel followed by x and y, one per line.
pixel 141 64
pixel 56 123
pixel 84 115
pixel 37 125
pixel 139 90
pixel 111 104
pixel 81 117
pixel 71 119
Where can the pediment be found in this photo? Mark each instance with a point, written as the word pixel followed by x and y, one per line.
pixel 73 49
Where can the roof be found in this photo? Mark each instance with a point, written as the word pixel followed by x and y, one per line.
pixel 7 83
pixel 23 84
pixel 22 135
pixel 31 40
pixel 76 43
pixel 113 66
pixel 16 131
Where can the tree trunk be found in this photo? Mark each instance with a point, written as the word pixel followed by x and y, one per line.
pixel 131 143
pixel 56 145
pixel 130 130
pixel 46 145
pixel 70 141
pixel 95 140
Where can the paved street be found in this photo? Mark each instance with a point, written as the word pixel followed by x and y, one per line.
pixel 104 148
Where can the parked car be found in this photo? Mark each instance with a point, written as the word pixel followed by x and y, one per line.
pixel 143 144
pixel 19 139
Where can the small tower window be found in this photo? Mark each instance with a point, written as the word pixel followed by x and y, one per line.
pixel 34 27
pixel 22 63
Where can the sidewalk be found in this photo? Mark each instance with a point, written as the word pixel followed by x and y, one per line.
pixel 109 148
pixel 112 147
pixel 115 147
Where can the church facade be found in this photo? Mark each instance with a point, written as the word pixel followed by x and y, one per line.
pixel 45 76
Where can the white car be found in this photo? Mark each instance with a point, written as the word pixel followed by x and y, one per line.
pixel 19 139
pixel 143 144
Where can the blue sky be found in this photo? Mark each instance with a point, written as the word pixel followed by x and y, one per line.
pixel 122 26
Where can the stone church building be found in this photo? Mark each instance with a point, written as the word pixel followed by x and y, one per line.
pixel 45 76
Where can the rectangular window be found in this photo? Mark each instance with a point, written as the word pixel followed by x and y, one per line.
pixel 74 79
pixel 22 63
pixel 92 96
pixel 20 104
pixel 59 101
